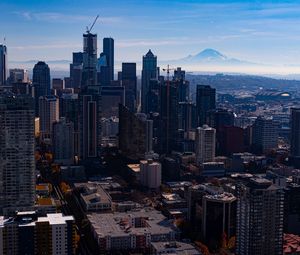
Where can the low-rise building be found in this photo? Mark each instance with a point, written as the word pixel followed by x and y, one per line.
pixel 93 197
pixel 131 230
pixel 174 248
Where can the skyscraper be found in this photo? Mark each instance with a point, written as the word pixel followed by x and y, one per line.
pixel 63 141
pixel 149 72
pixel 295 135
pixel 76 70
pixel 205 101
pixel 3 64
pixel 260 208
pixel 168 117
pixel 90 123
pixel 17 165
pixel 108 50
pixel 129 83
pixel 18 75
pixel 264 134
pixel 89 72
pixel 205 144
pixel 49 113
pixel 111 97
pixel 41 82
pixel 135 133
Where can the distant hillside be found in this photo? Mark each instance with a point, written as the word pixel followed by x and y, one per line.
pixel 249 82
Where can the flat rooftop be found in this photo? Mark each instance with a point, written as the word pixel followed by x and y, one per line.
pixel 175 248
pixel 119 223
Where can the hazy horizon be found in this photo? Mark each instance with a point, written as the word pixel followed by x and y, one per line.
pixel 262 32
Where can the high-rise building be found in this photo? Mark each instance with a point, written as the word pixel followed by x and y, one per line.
pixel 187 116
pixel 17 165
pixel 63 142
pixel 58 84
pixel 295 135
pixel 168 117
pixel 108 50
pixel 41 82
pixel 111 97
pixel 89 72
pixel 264 134
pixel 76 70
pixel 150 174
pixel 225 138
pixel 205 144
pixel 149 72
pixel 30 233
pixel 260 208
pixel 129 83
pixel 205 101
pixel 153 96
pixel 218 218
pixel 18 75
pixel 183 85
pixel 135 134
pixel 90 123
pixel 49 113
pixel 218 118
pixel 3 64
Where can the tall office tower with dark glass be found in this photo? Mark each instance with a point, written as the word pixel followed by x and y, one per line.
pixel 168 117
pixel 295 136
pixel 129 83
pixel 90 122
pixel 205 101
pixel 135 133
pixel 153 96
pixel 108 50
pixel 149 72
pixel 89 72
pixel 3 64
pixel 260 214
pixel 41 82
pixel 183 85
pixel 17 167
pixel 76 69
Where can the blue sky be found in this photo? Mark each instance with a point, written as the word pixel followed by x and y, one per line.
pixel 258 31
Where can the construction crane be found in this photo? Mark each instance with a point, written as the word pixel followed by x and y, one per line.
pixel 88 30
pixel 168 69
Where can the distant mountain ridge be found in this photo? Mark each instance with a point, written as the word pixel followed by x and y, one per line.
pixel 210 56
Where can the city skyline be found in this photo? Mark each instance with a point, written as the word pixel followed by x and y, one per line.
pixel 263 32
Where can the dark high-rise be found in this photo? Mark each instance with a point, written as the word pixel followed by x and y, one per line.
pixel 89 72
pixel 41 82
pixel 149 72
pixel 295 136
pixel 90 123
pixel 129 83
pixel 3 64
pixel 168 117
pixel 108 50
pixel 260 209
pixel 205 101
pixel 135 133
pixel 76 70
pixel 17 166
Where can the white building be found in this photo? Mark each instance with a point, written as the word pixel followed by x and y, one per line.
pixel 205 144
pixel 150 174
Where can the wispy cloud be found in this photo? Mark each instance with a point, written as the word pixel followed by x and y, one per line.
pixel 64 18
pixel 46 46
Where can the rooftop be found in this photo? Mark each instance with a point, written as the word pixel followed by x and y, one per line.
pixel 118 224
